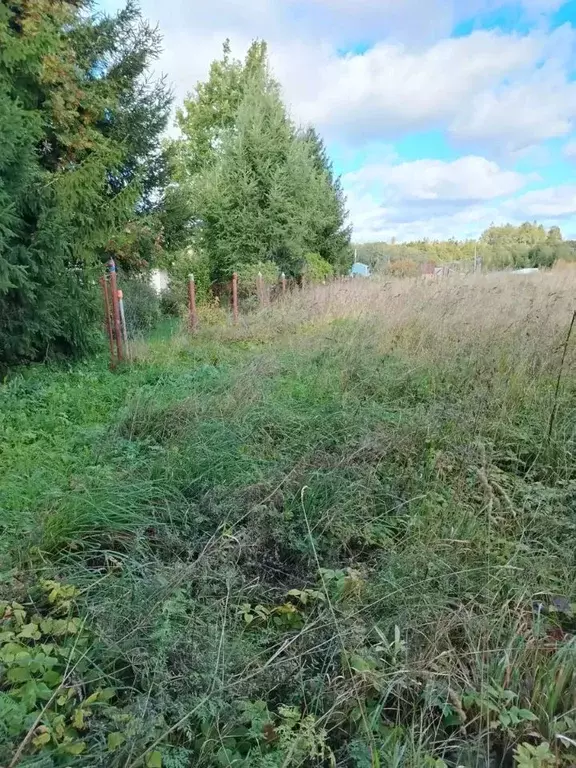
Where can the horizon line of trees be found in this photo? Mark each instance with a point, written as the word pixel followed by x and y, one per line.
pixel 499 247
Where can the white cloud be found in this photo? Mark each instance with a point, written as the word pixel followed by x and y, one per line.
pixel 550 203
pixel 519 115
pixel 522 111
pixel 429 198
pixel 487 88
pixel 391 88
pixel 373 222
pixel 569 149
pixel 404 220
pixel 467 179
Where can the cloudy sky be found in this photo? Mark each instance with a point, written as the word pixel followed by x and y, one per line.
pixel 442 116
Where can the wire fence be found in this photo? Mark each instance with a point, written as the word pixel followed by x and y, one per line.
pixel 133 311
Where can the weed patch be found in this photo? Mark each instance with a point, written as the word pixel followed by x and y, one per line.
pixel 347 546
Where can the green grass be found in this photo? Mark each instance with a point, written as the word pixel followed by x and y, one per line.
pixel 339 547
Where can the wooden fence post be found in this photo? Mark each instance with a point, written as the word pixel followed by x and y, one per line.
pixel 283 283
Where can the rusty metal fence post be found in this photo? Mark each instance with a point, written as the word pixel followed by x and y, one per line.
pixel 116 310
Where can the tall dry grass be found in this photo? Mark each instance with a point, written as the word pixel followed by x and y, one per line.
pixel 525 316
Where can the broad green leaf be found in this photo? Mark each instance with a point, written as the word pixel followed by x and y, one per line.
pixel 115 740
pixel 18 674
pixel 41 740
pixel 525 714
pixel 154 760
pixel 75 748
pixel 79 719
pixel 30 632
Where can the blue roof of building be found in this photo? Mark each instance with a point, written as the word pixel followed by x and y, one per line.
pixel 360 269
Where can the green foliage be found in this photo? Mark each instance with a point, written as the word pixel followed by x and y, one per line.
pixel 316 269
pixel 344 543
pixel 141 305
pixel 255 202
pixel 248 276
pixel 211 109
pixel 498 703
pixel 43 651
pixel 530 756
pixel 332 237
pixel 75 167
pixel 258 191
pixel 180 266
pixel 506 247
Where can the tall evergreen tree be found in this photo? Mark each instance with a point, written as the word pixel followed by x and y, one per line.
pixel 211 108
pixel 258 201
pixel 332 233
pixel 259 190
pixel 72 170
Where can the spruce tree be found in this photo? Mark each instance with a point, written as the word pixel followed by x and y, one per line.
pixel 331 239
pixel 257 201
pixel 72 168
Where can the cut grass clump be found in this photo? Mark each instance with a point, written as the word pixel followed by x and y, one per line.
pixel 339 534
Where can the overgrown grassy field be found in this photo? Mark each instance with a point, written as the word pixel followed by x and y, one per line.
pixel 342 534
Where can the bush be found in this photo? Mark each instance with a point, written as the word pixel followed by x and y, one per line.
pixel 171 302
pixel 248 277
pixel 403 268
pixel 174 300
pixel 141 305
pixel 316 269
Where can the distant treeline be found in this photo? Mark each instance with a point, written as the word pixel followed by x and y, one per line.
pixel 505 247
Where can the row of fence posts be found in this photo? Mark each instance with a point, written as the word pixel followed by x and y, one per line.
pixel 263 298
pixel 115 318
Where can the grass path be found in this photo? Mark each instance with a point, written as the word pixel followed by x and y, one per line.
pixel 338 534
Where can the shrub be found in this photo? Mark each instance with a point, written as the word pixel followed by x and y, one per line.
pixel 171 302
pixel 316 269
pixel 248 276
pixel 403 268
pixel 141 305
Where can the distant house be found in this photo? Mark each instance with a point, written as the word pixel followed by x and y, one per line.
pixel 360 270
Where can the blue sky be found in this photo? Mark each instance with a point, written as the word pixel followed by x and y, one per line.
pixel 443 116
